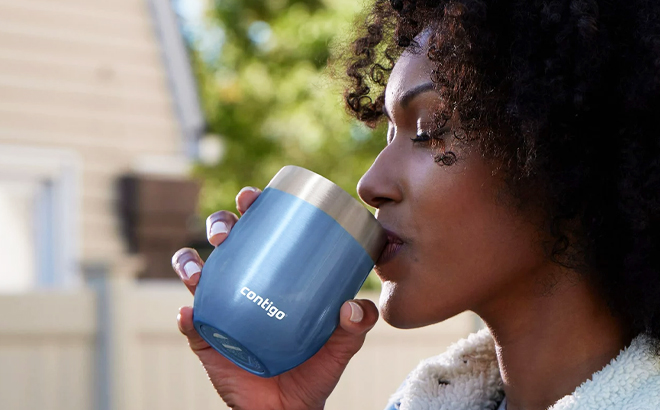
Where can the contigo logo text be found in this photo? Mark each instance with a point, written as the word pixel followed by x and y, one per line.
pixel 266 304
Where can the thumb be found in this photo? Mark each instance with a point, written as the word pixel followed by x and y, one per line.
pixel 318 376
pixel 356 318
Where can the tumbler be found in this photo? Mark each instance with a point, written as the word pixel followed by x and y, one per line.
pixel 269 295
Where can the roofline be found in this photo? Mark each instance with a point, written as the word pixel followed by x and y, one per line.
pixel 180 74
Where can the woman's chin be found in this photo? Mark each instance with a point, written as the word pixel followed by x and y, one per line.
pixel 402 308
pixel 393 308
pixel 400 320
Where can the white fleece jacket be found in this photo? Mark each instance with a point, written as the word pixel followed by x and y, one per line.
pixel 466 377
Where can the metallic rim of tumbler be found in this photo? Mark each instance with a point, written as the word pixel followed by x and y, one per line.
pixel 334 201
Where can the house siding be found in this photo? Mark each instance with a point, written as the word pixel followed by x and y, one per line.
pixel 87 76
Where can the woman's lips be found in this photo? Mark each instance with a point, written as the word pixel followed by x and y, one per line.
pixel 392 246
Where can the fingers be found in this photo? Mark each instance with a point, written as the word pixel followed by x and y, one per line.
pixel 246 197
pixel 185 322
pixel 188 265
pixel 218 225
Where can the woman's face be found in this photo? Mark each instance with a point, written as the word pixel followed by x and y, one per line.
pixel 463 247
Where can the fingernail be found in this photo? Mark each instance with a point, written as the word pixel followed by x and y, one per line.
pixel 247 188
pixel 176 265
pixel 181 263
pixel 356 312
pixel 218 227
pixel 191 268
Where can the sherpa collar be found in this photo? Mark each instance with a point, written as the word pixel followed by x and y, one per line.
pixel 466 377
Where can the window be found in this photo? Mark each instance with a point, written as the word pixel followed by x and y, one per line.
pixel 38 218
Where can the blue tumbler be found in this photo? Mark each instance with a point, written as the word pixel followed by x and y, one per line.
pixel 269 295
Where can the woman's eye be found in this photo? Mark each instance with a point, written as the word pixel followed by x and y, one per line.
pixel 431 136
pixel 421 137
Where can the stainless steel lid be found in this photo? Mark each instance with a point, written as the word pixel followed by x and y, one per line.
pixel 339 204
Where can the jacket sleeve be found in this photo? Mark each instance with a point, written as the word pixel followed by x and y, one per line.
pixel 394 402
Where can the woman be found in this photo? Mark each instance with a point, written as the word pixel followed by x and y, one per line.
pixel 520 180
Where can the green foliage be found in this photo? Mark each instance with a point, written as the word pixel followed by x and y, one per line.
pixel 273 100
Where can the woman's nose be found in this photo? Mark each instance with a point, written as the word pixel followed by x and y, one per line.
pixel 379 184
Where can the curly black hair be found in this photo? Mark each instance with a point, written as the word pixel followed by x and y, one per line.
pixel 564 95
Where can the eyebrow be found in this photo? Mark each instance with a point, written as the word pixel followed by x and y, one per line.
pixel 410 94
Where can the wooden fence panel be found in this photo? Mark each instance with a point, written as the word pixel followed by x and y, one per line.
pixel 49 346
pixel 47 351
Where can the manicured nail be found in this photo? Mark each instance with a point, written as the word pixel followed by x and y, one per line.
pixel 191 268
pixel 218 227
pixel 181 262
pixel 356 312
pixel 247 188
pixel 176 265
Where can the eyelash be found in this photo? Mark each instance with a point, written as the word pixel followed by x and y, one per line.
pixel 426 137
pixel 421 137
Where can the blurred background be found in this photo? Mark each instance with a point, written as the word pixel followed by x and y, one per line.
pixel 122 125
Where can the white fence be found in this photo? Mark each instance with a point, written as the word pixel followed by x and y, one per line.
pixel 115 346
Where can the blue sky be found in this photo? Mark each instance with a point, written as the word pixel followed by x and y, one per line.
pixel 205 37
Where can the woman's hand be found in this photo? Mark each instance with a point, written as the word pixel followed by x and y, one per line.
pixel 304 387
